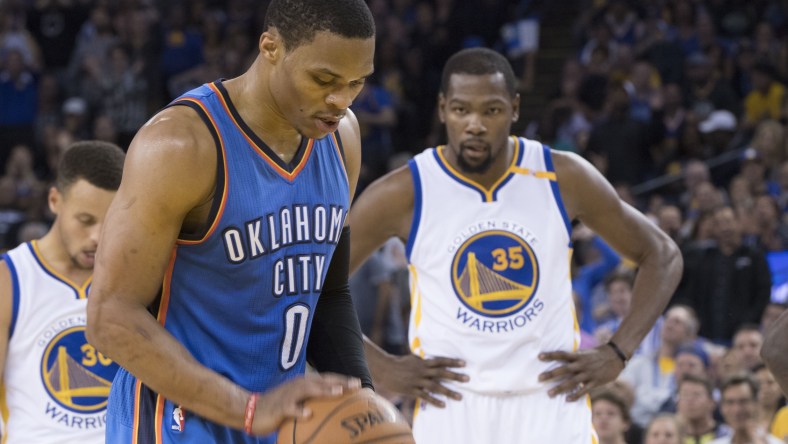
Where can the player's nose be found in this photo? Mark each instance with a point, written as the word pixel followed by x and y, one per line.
pixel 475 125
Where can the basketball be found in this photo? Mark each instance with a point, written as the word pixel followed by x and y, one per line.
pixel 353 418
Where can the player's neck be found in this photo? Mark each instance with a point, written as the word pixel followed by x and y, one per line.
pixel 250 95
pixel 55 256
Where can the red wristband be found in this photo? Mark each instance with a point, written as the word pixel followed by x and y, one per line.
pixel 251 405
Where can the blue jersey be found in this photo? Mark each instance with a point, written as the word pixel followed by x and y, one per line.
pixel 241 295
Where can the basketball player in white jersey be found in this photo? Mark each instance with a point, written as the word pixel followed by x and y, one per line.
pixel 487 220
pixel 54 383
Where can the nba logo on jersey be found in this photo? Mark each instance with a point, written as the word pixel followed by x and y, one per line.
pixel 177 419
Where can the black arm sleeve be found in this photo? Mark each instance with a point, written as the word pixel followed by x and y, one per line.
pixel 335 342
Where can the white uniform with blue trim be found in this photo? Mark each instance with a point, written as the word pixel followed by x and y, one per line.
pixel 490 285
pixel 55 384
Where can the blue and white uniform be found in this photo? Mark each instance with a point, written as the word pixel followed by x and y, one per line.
pixel 490 285
pixel 241 296
pixel 55 385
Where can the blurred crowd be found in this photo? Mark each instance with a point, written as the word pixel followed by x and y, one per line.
pixel 680 103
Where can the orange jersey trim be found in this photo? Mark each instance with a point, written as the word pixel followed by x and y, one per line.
pixel 80 289
pixel 161 316
pixel 282 172
pixel 223 202
pixel 135 430
pixel 487 192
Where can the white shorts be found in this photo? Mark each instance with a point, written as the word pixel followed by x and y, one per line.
pixel 534 418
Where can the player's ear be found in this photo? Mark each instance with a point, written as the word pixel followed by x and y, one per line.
pixel 441 106
pixel 271 46
pixel 54 199
pixel 516 108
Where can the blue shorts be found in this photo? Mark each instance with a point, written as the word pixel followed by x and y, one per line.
pixel 159 421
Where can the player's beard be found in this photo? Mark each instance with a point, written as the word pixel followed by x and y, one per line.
pixel 474 169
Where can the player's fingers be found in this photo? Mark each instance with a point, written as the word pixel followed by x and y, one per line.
pixel 342 380
pixel 316 388
pixel 568 386
pixel 561 372
pixel 442 374
pixel 441 361
pixel 582 388
pixel 557 356
pixel 445 391
pixel 428 398
pixel 295 410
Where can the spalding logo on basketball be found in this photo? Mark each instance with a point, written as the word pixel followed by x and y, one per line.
pixel 354 418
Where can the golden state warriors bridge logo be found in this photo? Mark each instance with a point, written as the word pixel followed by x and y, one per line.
pixel 495 273
pixel 75 374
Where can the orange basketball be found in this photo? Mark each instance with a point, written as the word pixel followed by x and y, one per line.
pixel 353 418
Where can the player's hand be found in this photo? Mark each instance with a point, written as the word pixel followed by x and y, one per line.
pixel 413 376
pixel 287 400
pixel 582 371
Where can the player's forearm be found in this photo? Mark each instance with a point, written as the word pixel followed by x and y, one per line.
pixel 134 339
pixel 658 275
pixel 775 351
pixel 376 359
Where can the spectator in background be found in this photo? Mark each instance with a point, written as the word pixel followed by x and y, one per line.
pixel 619 146
pixel 738 405
pixel 753 168
pixel 55 25
pixel 104 130
pixel 182 46
pixel 690 359
pixel 586 276
pixel 124 91
pixel 141 39
pixel 652 375
pixel 695 408
pixel 694 173
pixel 29 231
pixel 670 221
pixel 9 215
pixel 771 144
pixel 665 428
pixel 770 401
pixel 371 289
pixel 18 92
pixel 76 118
pixel 705 90
pixel 717 131
pixel 728 284
pixel 610 415
pixel 765 101
pixel 28 190
pixel 771 233
pixel 618 287
pixel 90 57
pixel 14 35
pixel 377 116
pixel 47 105
pixel 747 342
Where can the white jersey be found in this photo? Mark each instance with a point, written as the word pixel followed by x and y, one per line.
pixel 55 384
pixel 490 271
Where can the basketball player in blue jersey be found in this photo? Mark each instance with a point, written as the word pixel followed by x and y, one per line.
pixel 775 351
pixel 487 221
pixel 227 226
pixel 54 383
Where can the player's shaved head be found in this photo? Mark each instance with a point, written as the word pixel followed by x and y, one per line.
pixel 479 61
